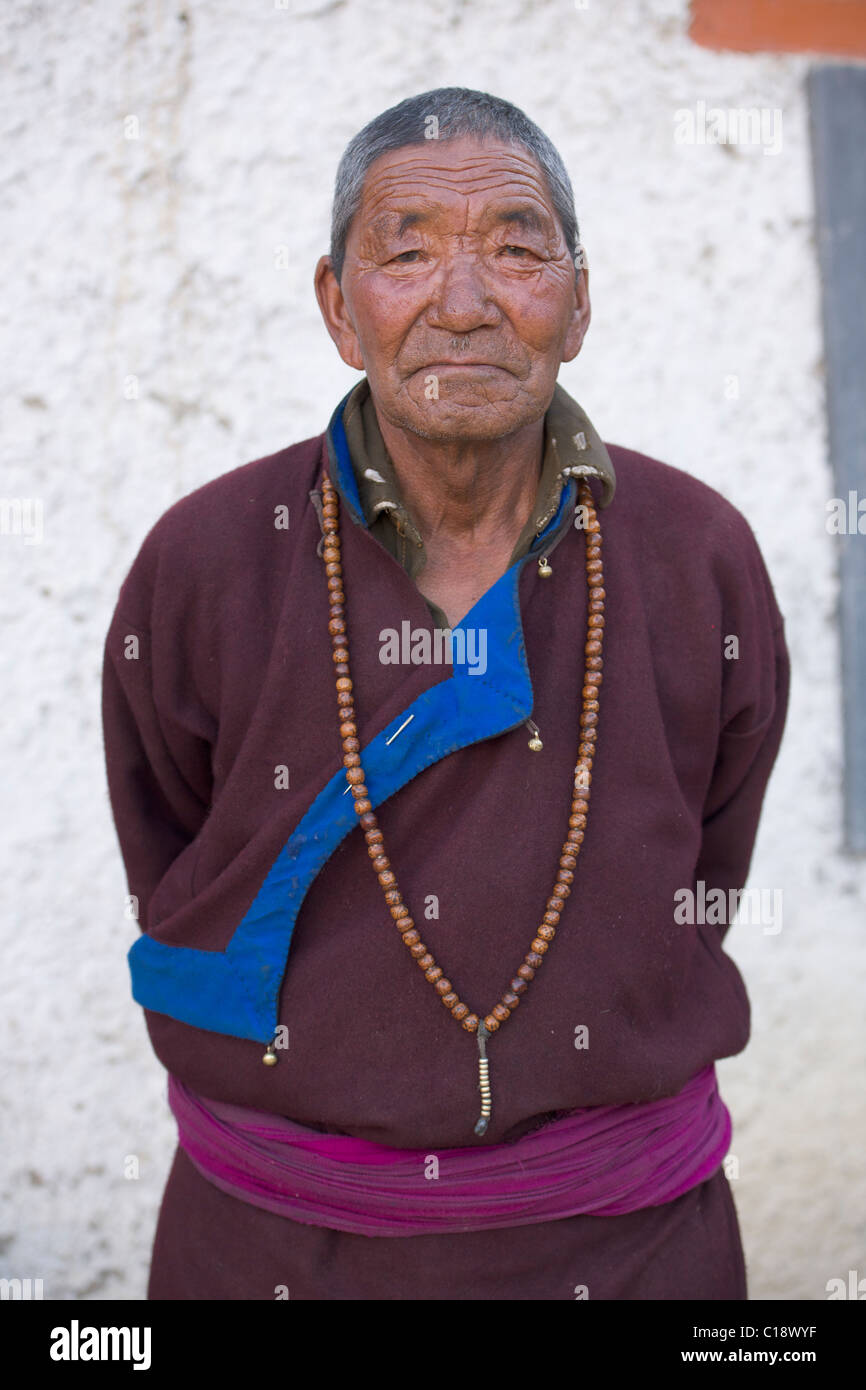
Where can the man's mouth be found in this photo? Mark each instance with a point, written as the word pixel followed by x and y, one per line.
pixel 441 366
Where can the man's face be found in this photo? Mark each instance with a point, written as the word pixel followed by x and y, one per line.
pixel 458 296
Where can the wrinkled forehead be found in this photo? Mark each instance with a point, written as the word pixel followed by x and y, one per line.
pixel 440 180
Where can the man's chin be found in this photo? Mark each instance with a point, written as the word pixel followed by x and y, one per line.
pixel 463 416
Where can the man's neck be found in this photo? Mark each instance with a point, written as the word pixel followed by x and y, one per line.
pixel 465 494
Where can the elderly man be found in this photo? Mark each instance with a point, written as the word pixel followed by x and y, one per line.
pixel 417 744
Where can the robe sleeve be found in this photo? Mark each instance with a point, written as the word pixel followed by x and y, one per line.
pixel 754 709
pixel 158 766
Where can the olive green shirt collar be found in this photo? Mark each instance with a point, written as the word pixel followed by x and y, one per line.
pixel 571 448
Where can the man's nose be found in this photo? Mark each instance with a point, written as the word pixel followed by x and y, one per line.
pixel 462 299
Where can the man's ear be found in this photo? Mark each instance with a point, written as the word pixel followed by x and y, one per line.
pixel 335 312
pixel 580 317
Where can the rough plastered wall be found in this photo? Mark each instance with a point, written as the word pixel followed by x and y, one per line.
pixel 156 158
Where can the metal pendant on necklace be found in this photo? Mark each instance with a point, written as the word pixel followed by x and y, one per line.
pixel 483 1080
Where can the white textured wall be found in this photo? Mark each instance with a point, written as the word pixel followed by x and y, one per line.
pixel 153 259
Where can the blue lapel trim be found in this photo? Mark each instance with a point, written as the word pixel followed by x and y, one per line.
pixel 236 991
pixel 345 479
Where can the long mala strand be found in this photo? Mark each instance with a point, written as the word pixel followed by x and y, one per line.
pixel 405 924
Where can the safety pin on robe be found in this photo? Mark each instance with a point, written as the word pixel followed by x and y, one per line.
pixel 400 730
pixel 389 740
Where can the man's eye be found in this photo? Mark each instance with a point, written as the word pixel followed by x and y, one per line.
pixel 520 250
pixel 403 254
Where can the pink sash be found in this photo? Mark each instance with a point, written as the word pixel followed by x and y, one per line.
pixel 600 1161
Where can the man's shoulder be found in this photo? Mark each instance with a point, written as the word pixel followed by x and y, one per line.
pixel 694 528
pixel 272 480
pixel 670 496
pixel 239 498
pixel 223 521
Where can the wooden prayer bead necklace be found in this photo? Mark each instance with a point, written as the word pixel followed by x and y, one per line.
pixel 370 825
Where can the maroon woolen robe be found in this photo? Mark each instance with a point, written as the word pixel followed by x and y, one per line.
pixel 232 680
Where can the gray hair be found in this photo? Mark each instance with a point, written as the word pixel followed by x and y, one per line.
pixel 452 112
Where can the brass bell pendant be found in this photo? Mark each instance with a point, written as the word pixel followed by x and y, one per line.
pixel 544 568
pixel 270 1057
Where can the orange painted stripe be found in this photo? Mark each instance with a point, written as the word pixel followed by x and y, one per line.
pixel 789 26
